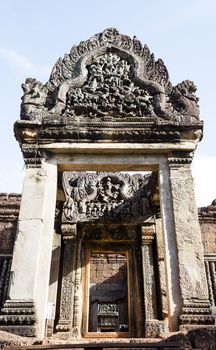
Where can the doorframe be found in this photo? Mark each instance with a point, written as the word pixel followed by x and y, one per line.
pixel 127 248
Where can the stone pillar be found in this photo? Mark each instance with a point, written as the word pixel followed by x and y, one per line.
pixel 148 273
pixel 153 327
pixel 170 248
pixel 192 277
pixel 161 267
pixel 70 319
pixel 25 310
pixel 78 297
pixel 67 283
pixel 53 284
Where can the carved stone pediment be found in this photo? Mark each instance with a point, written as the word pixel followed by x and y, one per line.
pixel 109 75
pixel 109 91
pixel 108 196
pixel 108 88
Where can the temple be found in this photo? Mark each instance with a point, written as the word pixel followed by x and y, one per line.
pixel 106 240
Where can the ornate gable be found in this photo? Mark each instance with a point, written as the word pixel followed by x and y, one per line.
pixel 109 88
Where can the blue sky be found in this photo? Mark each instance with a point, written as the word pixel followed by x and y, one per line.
pixel 34 34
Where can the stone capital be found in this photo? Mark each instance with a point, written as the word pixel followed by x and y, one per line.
pixel 180 159
pixel 69 232
pixel 148 234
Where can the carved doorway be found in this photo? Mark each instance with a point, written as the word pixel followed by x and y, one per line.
pixel 109 301
pixel 102 292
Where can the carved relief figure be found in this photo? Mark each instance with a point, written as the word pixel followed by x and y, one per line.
pixel 107 195
pixel 109 75
pixel 109 90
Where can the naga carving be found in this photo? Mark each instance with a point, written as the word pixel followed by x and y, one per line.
pixel 184 99
pixel 112 196
pixel 33 100
pixel 109 75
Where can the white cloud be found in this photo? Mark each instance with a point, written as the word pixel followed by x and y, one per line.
pixel 18 60
pixel 204 172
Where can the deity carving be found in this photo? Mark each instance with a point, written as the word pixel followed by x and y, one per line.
pixel 108 91
pixel 107 196
pixel 109 76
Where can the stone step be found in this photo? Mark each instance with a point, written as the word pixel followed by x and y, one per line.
pixel 100 346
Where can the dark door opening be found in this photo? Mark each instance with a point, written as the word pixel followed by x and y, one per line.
pixel 108 292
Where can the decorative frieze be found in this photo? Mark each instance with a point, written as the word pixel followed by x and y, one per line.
pixel 108 232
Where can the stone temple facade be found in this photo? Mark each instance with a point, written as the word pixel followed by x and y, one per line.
pixel 106 240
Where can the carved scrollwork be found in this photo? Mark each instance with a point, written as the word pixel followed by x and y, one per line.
pixel 107 195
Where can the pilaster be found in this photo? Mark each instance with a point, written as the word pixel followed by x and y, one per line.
pixel 64 323
pixel 153 327
pixel 192 277
pixel 161 267
pixel 69 323
pixel 24 311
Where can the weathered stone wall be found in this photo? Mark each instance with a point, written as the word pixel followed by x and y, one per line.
pixel 9 211
pixel 207 219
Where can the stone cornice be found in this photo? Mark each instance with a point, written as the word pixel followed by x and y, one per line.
pixel 107 132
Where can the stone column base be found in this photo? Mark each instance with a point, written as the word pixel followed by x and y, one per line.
pixel 196 314
pixel 18 317
pixel 156 329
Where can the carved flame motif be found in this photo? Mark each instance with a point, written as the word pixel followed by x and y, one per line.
pixel 107 195
pixel 109 90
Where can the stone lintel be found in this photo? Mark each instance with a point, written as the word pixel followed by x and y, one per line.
pixel 72 147
pixel 107 133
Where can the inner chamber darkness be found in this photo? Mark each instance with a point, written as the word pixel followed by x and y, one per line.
pixel 108 292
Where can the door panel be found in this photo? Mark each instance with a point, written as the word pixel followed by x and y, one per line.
pixel 108 292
